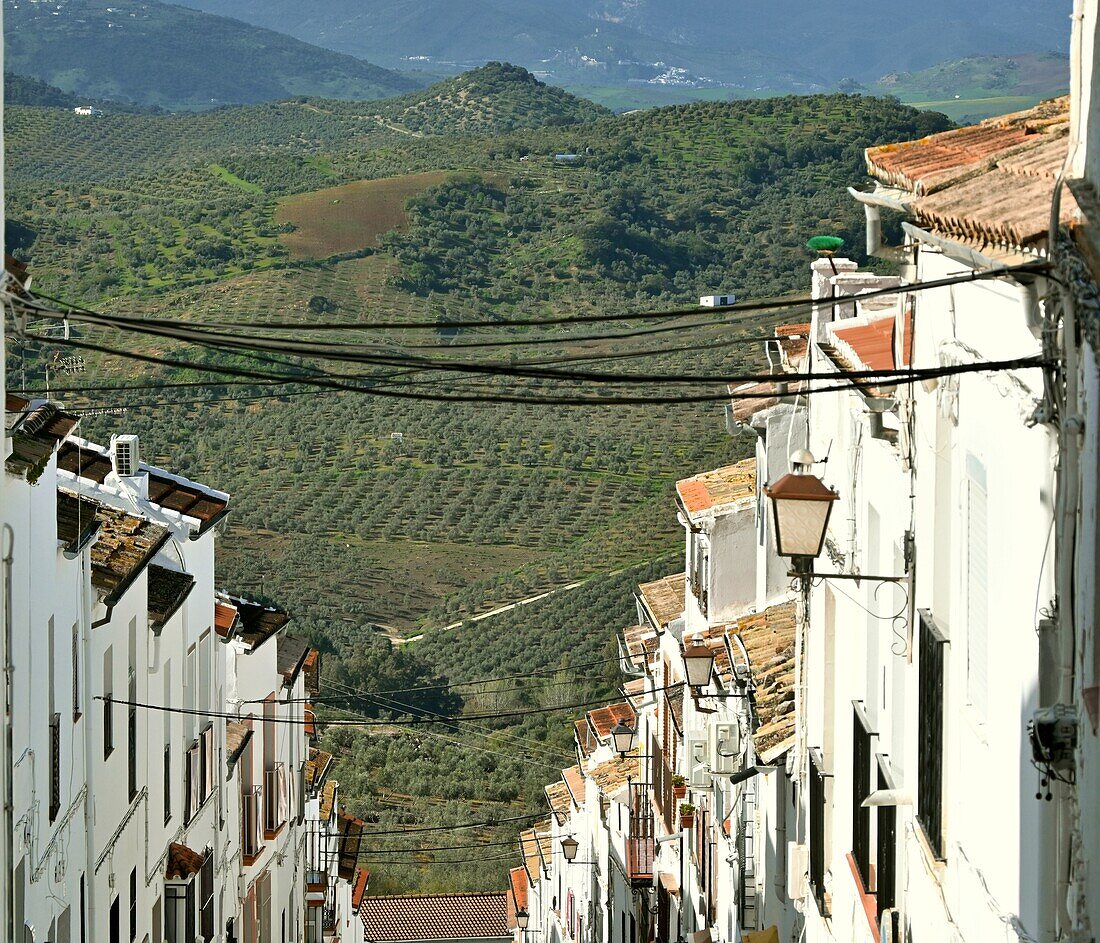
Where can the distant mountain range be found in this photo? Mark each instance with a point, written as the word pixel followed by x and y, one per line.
pixel 794 45
pixel 157 54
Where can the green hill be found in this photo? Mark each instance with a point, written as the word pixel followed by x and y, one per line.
pixel 158 54
pixel 23 90
pixel 497 97
pixel 361 513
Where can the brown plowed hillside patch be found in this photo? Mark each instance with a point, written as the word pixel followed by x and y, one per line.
pixel 349 217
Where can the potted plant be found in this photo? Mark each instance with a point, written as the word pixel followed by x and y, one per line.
pixel 679 787
pixel 687 814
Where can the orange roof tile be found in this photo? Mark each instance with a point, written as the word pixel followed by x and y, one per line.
pixel 611 777
pixel 717 488
pixel 664 598
pixel 476 916
pixel 584 738
pixel 182 862
pixel 532 857
pixel 603 719
pixel 872 343
pixel 557 794
pixel 574 779
pixel 639 642
pixel 517 878
pixel 635 691
pixel 359 889
pixel 224 617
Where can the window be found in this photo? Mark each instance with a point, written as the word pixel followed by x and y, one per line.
pixel 861 789
pixel 167 783
pixel 133 905
pixel 206 898
pixel 76 672
pixel 114 922
pixel 930 690
pixel 179 912
pixel 131 740
pixel 108 705
pixel 817 829
pixel 83 913
pixel 977 589
pixel 55 765
pixel 886 875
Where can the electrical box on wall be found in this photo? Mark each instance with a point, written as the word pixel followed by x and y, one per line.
pixel 698 761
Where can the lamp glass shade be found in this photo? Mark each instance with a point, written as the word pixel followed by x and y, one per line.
pixel 698 664
pixel 623 737
pixel 801 505
pixel 569 846
pixel 522 919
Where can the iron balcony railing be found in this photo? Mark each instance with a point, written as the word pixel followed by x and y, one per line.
pixel 252 838
pixel 639 841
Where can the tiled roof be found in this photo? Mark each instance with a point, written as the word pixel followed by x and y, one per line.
pixel 611 777
pixel 312 668
pixel 359 888
pixel 574 779
pixel 714 491
pixel 182 862
pixel 328 799
pixel 290 657
pixel 256 623
pixel 237 736
pixel 167 591
pixel 635 691
pixel 309 717
pixel 871 342
pixel 545 841
pixel 435 917
pixel 664 598
pixel 316 768
pixel 123 547
pixel 602 719
pixel 557 795
pixel 991 182
pixel 225 615
pixel 517 878
pixel 90 462
pixel 77 521
pixel 675 698
pixel 639 642
pixel 532 857
pixel 351 837
pixel 36 430
pixel 584 738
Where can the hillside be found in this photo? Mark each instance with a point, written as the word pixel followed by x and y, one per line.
pixel 980 86
pixel 23 90
pixel 158 54
pixel 365 515
pixel 497 97
pixel 743 44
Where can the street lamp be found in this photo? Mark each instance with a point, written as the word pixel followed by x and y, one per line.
pixel 522 918
pixel 623 736
pixel 698 662
pixel 569 846
pixel 801 505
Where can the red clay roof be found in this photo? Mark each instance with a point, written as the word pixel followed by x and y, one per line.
pixel 435 917
pixel 635 691
pixel 602 719
pixel 718 487
pixel 518 879
pixel 359 889
pixel 182 862
pixel 557 794
pixel 574 779
pixel 224 617
pixel 872 343
pixel 991 182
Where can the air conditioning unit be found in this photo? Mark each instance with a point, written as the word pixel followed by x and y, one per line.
pixel 889 928
pixel 798 871
pixel 698 763
pixel 725 748
pixel 125 455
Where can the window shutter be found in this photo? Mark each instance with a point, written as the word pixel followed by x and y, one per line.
pixel 977 590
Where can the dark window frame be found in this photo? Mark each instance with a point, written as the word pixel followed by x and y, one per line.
pixel 931 683
pixel 862 765
pixel 817 810
pixel 886 841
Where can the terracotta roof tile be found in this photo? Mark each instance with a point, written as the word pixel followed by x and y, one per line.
pixel 36 430
pixel 574 779
pixel 611 777
pixel 635 691
pixel 225 615
pixel 168 589
pixel 603 719
pixel 290 657
pixel 359 888
pixel 532 857
pixel 557 794
pixel 256 623
pixel 124 545
pixel 435 917
pixel 872 343
pixel 91 462
pixel 584 738
pixel 664 598
pixel 317 767
pixel 545 842
pixel 639 643
pixel 715 490
pixel 182 862
pixel 328 799
pixel 517 878
pixel 991 182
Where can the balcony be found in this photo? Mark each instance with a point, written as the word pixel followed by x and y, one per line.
pixel 639 840
pixel 275 800
pixel 252 839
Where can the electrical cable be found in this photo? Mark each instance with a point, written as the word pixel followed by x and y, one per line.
pixel 489 823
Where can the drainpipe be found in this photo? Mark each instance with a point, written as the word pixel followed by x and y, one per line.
pixel 6 743
pixel 89 819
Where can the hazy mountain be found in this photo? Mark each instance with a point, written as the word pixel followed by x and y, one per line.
pixel 782 44
pixel 153 53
